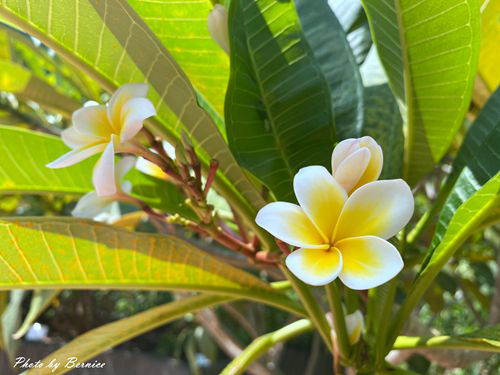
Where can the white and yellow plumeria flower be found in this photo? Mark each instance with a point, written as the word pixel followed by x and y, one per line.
pixel 356 161
pixel 105 128
pixel 105 208
pixel 218 27
pixel 355 325
pixel 340 235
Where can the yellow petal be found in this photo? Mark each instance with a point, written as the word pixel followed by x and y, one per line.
pixel 118 100
pixel 368 262
pixel 92 121
pixel 314 266
pixel 352 168
pixel 379 208
pixel 289 223
pixel 321 198
pixel 374 168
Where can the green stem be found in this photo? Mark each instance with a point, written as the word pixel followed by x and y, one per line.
pixel 263 343
pixel 312 307
pixel 335 302
pixel 443 342
pixel 382 327
pixel 428 216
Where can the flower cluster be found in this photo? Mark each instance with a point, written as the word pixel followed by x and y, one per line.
pixel 343 220
pixel 106 129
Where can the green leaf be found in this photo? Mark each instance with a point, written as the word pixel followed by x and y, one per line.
pixel 45 253
pixel 98 340
pixel 479 150
pixel 182 28
pixel 462 222
pixel 22 171
pixel 383 122
pixel 332 53
pixel 278 112
pixel 40 301
pixel 65 27
pixel 430 52
pixel 486 339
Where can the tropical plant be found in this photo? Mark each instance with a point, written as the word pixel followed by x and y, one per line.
pixel 220 118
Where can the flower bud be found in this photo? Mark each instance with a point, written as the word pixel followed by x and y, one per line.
pixel 356 161
pixel 217 26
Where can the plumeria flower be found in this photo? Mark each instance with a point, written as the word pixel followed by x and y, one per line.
pixel 218 27
pixel 340 235
pixel 105 207
pixel 354 322
pixel 356 161
pixel 107 129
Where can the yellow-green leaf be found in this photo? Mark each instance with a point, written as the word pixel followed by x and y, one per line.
pixel 44 253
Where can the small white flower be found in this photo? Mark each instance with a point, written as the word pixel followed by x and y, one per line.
pixel 105 208
pixel 356 161
pixel 105 128
pixel 355 324
pixel 218 27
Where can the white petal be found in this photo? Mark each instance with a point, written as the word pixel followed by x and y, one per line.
pixel 217 24
pixel 134 112
pixel 352 168
pixel 379 208
pixel 355 325
pixel 374 167
pixel 74 139
pixel 91 205
pixel 289 223
pixel 315 266
pixel 76 156
pixel 123 166
pixel 103 176
pixel 92 121
pixel 368 262
pixel 321 198
pixel 120 97
pixel 342 150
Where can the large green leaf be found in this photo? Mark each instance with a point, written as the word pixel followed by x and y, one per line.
pixel 125 50
pixel 430 51
pixel 100 339
pixel 182 28
pixel 464 219
pixel 22 171
pixel 383 122
pixel 489 58
pixel 334 56
pixel 278 105
pixel 44 253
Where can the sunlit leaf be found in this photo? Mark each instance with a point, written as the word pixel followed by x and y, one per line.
pixel 57 253
pixel 489 58
pixel 430 51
